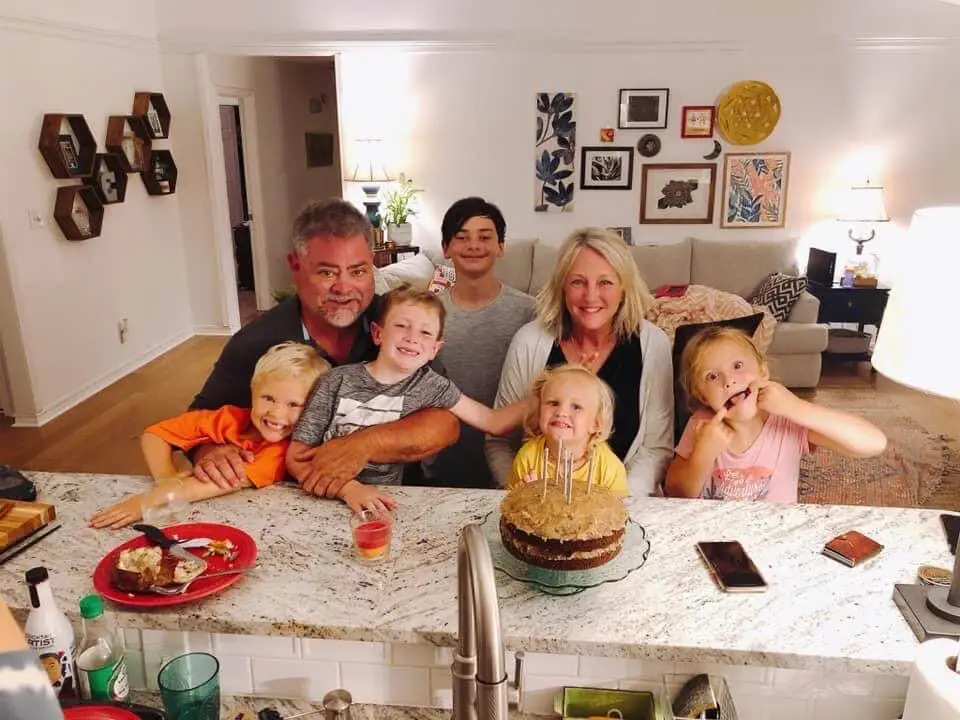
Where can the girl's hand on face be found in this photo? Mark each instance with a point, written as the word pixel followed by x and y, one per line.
pixel 774 398
pixel 713 436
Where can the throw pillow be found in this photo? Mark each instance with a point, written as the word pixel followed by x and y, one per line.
pixel 780 293
pixel 683 335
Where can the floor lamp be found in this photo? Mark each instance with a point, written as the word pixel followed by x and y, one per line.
pixel 915 348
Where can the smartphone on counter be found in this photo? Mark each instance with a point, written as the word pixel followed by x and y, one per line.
pixel 951 527
pixel 731 566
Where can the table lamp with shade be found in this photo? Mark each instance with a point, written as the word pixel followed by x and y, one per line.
pixel 915 348
pixel 862 210
pixel 369 167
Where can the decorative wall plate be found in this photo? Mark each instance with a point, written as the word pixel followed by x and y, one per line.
pixel 748 112
pixel 648 145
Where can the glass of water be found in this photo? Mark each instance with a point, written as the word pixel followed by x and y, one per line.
pixel 164 504
pixel 190 687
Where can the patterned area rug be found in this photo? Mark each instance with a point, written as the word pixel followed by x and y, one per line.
pixel 918 468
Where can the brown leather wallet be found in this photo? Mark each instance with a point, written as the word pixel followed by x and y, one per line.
pixel 851 548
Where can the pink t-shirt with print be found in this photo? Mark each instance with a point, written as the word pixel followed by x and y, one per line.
pixel 768 470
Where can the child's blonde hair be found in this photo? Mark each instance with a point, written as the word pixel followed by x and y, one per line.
pixel 691 361
pixel 531 423
pixel 289 360
pixel 407 294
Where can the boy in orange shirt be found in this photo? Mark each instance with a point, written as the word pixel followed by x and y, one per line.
pixel 281 383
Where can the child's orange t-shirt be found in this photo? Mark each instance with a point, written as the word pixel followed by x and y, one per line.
pixel 229 425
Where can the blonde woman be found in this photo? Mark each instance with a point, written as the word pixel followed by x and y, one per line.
pixel 591 312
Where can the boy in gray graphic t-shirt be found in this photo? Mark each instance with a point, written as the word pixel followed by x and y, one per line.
pixel 409 333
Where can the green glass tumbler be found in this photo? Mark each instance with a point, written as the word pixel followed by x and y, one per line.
pixel 190 687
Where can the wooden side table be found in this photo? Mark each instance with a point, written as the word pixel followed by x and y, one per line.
pixel 388 255
pixel 860 305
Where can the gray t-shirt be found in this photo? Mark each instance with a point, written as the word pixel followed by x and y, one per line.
pixel 348 398
pixel 475 344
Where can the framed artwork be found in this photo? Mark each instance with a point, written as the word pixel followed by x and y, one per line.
pixel 68 152
pixel 555 152
pixel 697 121
pixel 643 109
pixel 755 189
pixel 680 193
pixel 319 149
pixel 606 168
pixel 625 232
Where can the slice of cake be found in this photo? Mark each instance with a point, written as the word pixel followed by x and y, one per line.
pixel 549 532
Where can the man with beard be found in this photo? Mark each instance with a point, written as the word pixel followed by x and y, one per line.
pixel 332 267
pixel 482 316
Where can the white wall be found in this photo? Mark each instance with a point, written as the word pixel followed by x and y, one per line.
pixel 464 124
pixel 557 23
pixel 300 81
pixel 62 300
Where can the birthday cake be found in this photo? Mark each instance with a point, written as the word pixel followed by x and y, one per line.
pixel 549 531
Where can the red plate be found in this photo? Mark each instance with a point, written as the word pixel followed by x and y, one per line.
pixel 246 550
pixel 98 712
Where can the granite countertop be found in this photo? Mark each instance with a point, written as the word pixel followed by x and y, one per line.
pixel 233 705
pixel 817 613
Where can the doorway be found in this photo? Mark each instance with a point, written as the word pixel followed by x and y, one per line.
pixel 241 218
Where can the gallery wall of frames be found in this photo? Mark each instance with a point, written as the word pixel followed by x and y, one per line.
pixel 754 184
pixel 70 151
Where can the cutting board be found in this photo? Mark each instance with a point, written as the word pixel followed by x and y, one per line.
pixel 19 519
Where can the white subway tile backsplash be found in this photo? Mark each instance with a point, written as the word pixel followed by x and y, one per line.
pixel 623 668
pixel 135 674
pixel 381 684
pixel 172 640
pixel 236 676
pixel 856 708
pixel 311 679
pixel 256 646
pixel 345 650
pixel 416 655
pixel 745 673
pixel 440 679
pixel 891 686
pixel 653 686
pixel 131 639
pixel 547 664
pixel 199 641
pixel 801 683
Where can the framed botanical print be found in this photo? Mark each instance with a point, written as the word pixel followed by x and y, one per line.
pixel 680 193
pixel 643 109
pixel 606 168
pixel 755 190
pixel 697 121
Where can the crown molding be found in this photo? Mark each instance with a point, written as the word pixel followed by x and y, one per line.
pixel 404 41
pixel 287 46
pixel 78 32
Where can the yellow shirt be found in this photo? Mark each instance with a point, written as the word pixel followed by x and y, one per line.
pixel 608 473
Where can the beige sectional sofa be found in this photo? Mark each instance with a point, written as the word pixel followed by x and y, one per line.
pixel 733 266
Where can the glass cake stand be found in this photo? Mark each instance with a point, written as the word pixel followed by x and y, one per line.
pixel 636 547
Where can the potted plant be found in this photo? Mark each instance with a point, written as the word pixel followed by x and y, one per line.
pixel 399 210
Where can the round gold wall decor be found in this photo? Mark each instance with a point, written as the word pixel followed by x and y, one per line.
pixel 748 112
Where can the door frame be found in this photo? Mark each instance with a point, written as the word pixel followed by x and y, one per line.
pixel 217 177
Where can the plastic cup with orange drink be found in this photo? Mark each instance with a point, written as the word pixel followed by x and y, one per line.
pixel 372 531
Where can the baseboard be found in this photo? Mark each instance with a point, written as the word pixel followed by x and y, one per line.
pixel 214 330
pixel 92 388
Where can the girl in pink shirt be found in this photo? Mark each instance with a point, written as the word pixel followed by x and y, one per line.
pixel 748 434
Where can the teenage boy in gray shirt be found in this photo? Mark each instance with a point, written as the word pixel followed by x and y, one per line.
pixel 482 316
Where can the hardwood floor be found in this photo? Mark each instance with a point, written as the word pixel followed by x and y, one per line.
pixel 101 435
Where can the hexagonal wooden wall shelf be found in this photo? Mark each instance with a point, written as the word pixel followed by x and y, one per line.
pixel 108 179
pixel 152 109
pixel 67 145
pixel 128 139
pixel 78 212
pixel 160 175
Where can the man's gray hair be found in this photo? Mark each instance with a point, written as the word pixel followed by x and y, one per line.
pixel 333 216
